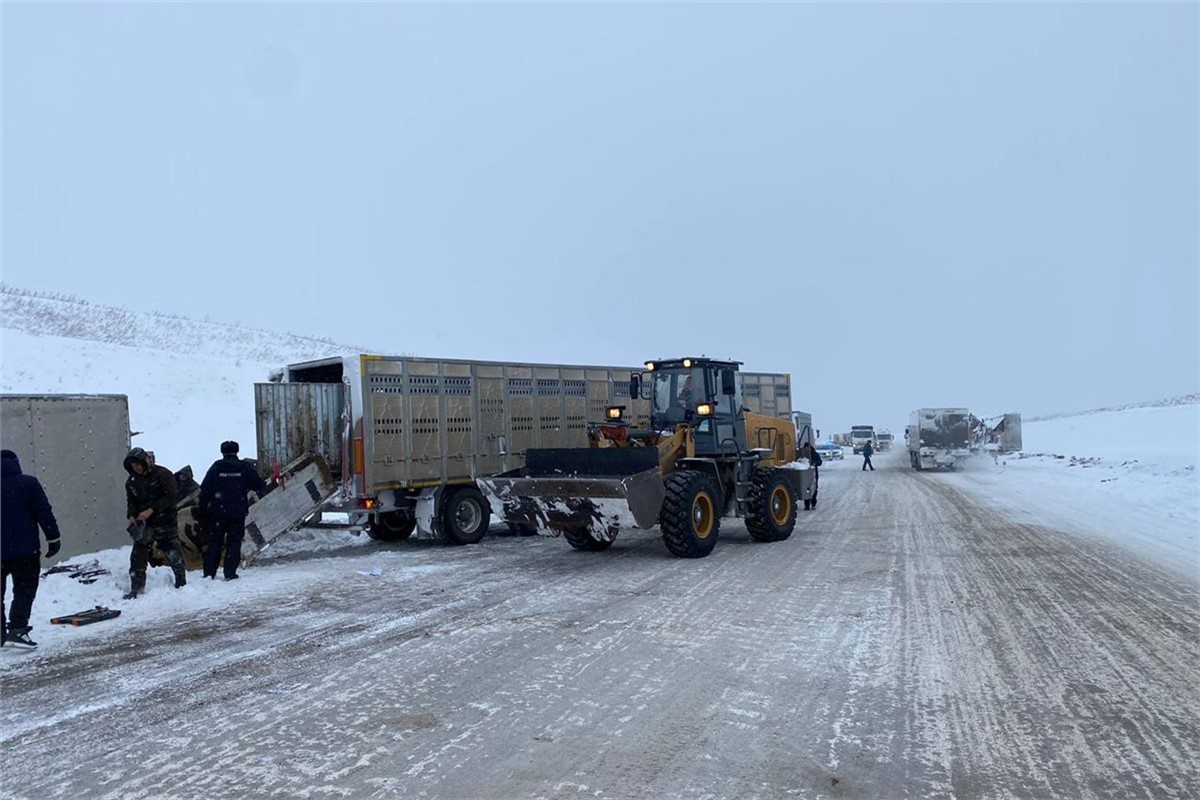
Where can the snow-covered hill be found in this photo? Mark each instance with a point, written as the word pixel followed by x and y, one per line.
pixel 73 318
pixel 190 382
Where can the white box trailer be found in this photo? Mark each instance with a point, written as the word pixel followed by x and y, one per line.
pixel 75 444
pixel 406 438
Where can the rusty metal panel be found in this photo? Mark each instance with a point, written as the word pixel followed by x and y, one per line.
pixel 425 422
pixel 575 407
pixel 767 393
pixel 783 396
pixel 385 443
pixel 518 391
pixel 551 422
pixel 458 423
pixel 292 419
pixel 492 436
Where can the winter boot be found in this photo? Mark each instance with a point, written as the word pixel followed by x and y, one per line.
pixel 20 636
pixel 137 585
pixel 180 578
pixel 807 505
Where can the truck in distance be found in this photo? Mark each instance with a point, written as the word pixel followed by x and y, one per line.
pixel 939 438
pixel 860 435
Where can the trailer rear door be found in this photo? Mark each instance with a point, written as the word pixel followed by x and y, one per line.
pixel 292 419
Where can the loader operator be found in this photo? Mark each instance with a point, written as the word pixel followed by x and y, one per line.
pixel 685 394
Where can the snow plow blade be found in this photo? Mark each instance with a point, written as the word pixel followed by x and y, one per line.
pixel 601 490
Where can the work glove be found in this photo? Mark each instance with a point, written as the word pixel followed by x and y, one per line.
pixel 52 548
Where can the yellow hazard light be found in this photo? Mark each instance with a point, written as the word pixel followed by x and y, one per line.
pixel 614 412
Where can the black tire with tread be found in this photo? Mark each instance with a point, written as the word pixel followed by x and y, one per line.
pixel 391 526
pixel 580 539
pixel 455 508
pixel 685 489
pixel 770 506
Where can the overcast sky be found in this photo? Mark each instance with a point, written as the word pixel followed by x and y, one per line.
pixel 1002 198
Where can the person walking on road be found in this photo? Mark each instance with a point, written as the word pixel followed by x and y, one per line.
pixel 814 460
pixel 150 494
pixel 867 450
pixel 223 503
pixel 23 509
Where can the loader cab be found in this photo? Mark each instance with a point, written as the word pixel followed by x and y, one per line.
pixel 679 388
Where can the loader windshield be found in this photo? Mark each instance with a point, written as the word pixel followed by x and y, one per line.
pixel 676 393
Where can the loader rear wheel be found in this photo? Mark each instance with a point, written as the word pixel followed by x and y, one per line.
pixel 770 507
pixel 392 526
pixel 580 539
pixel 689 519
pixel 465 516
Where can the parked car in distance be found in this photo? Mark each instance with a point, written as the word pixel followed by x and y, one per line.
pixel 830 450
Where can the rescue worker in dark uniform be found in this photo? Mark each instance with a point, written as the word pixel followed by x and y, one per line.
pixel 23 509
pixel 187 490
pixel 150 494
pixel 224 504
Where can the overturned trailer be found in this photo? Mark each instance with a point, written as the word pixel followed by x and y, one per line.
pixel 406 439
pixel 74 444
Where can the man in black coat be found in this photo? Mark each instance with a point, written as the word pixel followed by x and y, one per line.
pixel 809 452
pixel 150 493
pixel 867 450
pixel 23 509
pixel 224 505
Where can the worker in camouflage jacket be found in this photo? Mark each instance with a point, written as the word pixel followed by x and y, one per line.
pixel 150 494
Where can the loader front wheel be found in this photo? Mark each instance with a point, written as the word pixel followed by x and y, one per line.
pixel 465 516
pixel 392 526
pixel 770 507
pixel 689 519
pixel 580 539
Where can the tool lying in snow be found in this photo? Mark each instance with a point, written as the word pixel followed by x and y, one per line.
pixel 84 573
pixel 96 614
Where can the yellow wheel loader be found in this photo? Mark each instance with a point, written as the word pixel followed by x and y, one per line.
pixel 704 456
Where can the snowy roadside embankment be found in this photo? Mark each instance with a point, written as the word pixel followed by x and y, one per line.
pixel 1126 476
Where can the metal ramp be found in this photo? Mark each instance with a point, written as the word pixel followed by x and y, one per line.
pixel 305 486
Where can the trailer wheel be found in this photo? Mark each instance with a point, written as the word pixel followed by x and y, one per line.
pixel 580 539
pixel 465 516
pixel 689 519
pixel 770 507
pixel 392 526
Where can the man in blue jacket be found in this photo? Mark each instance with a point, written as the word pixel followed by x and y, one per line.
pixel 23 509
pixel 223 503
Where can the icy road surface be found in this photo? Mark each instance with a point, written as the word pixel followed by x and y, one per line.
pixel 905 642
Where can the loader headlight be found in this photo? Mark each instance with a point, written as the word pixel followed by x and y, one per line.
pixel 614 412
pixel 705 410
pixel 651 366
pixel 687 363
